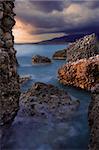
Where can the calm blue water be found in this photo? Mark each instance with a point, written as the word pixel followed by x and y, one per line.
pixel 30 134
pixel 45 73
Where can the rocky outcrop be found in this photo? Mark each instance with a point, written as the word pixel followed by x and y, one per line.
pixel 60 55
pixel 82 70
pixel 94 119
pixel 83 48
pixel 40 59
pixel 83 73
pixel 45 100
pixel 9 86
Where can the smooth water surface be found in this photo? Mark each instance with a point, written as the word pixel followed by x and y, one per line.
pixel 30 134
pixel 41 72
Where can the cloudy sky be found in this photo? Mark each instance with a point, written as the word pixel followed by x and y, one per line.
pixel 42 20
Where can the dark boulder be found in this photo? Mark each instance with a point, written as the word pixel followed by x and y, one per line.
pixel 40 59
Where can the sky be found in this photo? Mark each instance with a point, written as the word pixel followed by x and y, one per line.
pixel 47 19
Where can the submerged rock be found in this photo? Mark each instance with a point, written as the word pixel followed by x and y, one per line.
pixel 24 79
pixel 47 101
pixel 83 48
pixel 83 73
pixel 60 55
pixel 40 59
pixel 94 119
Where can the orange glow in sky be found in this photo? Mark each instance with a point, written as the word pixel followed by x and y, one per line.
pixel 23 33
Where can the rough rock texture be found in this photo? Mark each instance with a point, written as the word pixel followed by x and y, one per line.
pixel 40 59
pixel 45 100
pixel 9 87
pixel 94 119
pixel 83 48
pixel 60 55
pixel 83 73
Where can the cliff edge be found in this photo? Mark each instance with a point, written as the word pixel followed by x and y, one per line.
pixel 9 80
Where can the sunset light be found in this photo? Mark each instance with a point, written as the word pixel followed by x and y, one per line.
pixel 26 33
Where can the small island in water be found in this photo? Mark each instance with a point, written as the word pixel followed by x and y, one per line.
pixel 49 86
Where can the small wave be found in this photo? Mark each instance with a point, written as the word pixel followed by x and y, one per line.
pixel 41 78
pixel 25 65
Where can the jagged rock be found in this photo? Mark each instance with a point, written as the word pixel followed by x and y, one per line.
pixel 60 55
pixel 83 48
pixel 94 119
pixel 9 80
pixel 83 73
pixel 40 59
pixel 45 100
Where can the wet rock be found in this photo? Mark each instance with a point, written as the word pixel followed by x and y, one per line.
pixel 47 101
pixel 9 80
pixel 40 59
pixel 83 73
pixel 60 55
pixel 24 79
pixel 94 119
pixel 83 48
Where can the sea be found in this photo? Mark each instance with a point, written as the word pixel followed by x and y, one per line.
pixel 27 133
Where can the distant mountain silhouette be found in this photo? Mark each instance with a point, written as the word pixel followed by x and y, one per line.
pixel 64 39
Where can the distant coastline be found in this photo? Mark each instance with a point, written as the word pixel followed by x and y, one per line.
pixel 58 41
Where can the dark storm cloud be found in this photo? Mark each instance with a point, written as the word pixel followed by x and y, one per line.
pixel 91 4
pixel 60 16
pixel 48 6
